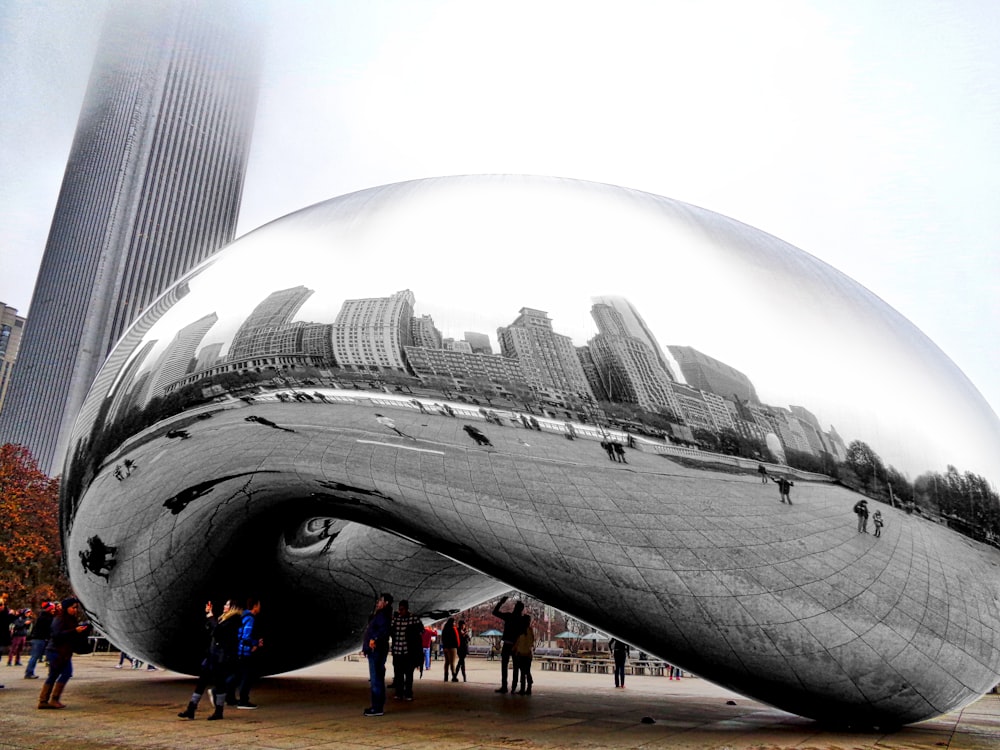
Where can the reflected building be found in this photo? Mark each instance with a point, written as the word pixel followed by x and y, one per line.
pixel 636 326
pixel 178 358
pixel 256 334
pixel 626 366
pixel 548 359
pixel 464 369
pixel 152 187
pixel 370 334
pixel 709 374
pixel 424 333
pixel 480 342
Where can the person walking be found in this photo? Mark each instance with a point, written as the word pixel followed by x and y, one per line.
pixel 620 651
pixel 69 635
pixel 376 649
pixel 449 644
pixel 38 636
pixel 523 651
pixel 512 623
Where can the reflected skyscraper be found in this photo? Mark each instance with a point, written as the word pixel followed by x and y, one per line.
pixel 152 188
pixel 635 326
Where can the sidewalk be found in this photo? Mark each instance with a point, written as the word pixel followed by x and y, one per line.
pixel 320 707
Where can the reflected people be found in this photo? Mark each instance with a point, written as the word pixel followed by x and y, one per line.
pixel 338 404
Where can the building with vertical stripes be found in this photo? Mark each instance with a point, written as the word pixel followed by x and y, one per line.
pixel 152 188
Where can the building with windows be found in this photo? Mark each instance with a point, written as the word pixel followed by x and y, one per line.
pixel 464 369
pixel 634 325
pixel 11 328
pixel 626 366
pixel 370 334
pixel 548 359
pixel 152 188
pixel 424 333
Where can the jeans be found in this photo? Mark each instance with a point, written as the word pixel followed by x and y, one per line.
pixel 505 652
pixel 37 649
pixel 427 658
pixel 60 670
pixel 376 675
pixel 619 670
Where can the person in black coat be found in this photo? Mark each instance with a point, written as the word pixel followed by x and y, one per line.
pixel 206 674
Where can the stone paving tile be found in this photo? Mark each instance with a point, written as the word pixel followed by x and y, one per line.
pixel 321 708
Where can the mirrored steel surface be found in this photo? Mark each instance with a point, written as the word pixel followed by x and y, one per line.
pixel 418 388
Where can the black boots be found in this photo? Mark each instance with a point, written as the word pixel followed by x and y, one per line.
pixel 188 713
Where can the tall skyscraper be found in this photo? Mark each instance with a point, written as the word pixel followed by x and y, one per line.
pixel 152 188
pixel 635 326
pixel 627 367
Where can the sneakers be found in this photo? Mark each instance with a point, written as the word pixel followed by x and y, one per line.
pixel 246 704
pixel 372 712
pixel 31 677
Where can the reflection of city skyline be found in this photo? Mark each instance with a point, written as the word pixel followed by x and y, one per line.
pixel 622 363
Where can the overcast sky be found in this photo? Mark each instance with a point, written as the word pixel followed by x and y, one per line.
pixel 865 133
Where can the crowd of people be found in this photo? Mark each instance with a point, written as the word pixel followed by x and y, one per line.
pixel 54 634
pixel 232 642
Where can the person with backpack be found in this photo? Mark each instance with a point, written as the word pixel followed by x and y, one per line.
pixel 861 508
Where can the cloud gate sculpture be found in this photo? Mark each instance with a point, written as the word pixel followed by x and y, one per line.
pixel 452 387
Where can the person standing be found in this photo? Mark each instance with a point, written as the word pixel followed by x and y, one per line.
pixel 784 488
pixel 427 643
pixel 205 669
pixel 762 470
pixel 407 651
pixel 861 508
pixel 511 630
pixel 463 646
pixel 38 636
pixel 68 636
pixel 449 644
pixel 620 651
pixel 376 650
pixel 524 648
pixel 250 644
pixel 877 520
pixel 223 653
pixel 18 636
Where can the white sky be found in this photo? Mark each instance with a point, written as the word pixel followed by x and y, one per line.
pixel 863 132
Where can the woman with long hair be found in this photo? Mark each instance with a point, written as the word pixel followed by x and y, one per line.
pixel 463 646
pixel 219 665
pixel 449 642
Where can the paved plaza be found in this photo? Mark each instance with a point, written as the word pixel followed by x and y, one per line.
pixel 320 707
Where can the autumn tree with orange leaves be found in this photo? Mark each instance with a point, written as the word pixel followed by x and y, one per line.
pixel 29 530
